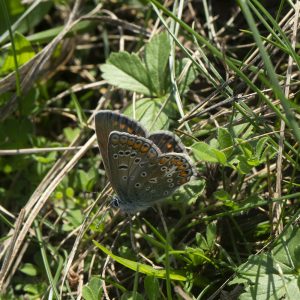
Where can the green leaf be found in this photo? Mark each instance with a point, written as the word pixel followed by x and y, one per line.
pixel 132 296
pixel 225 141
pixel 205 152
pixel 142 268
pixel 243 166
pixel 24 53
pixel 245 147
pixel 92 290
pixel 147 111
pixel 29 269
pixel 71 133
pixel 211 234
pixel 272 275
pixel 156 60
pixel 127 71
pixel 151 287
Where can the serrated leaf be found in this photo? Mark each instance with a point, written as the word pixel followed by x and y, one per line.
pixel 142 268
pixel 127 71
pixel 147 111
pixel 156 59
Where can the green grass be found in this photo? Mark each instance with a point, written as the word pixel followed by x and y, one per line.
pixel 223 76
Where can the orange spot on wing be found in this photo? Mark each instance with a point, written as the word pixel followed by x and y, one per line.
pixel 163 160
pixel 129 129
pixel 136 145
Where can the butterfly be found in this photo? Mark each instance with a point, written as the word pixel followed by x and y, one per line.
pixel 142 168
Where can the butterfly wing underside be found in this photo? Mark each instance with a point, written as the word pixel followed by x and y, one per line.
pixel 107 121
pixel 167 142
pixel 141 174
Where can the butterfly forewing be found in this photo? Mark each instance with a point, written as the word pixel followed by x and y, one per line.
pixel 107 121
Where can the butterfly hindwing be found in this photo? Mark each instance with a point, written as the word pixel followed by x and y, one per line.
pixel 167 142
pixel 141 174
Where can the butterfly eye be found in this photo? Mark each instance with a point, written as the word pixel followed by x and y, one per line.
pixel 121 153
pixel 137 160
pixel 115 156
pixel 144 174
pixel 137 185
pixel 164 168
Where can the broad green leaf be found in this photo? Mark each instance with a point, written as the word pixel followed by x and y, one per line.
pixel 142 268
pixel 92 290
pixel 71 133
pixel 147 111
pixel 132 296
pixel 204 152
pixel 156 61
pixel 245 147
pixel 272 275
pixel 151 287
pixel 243 167
pixel 211 234
pixel 188 192
pixel 127 71
pixel 225 141
pixel 29 269
pixel 24 53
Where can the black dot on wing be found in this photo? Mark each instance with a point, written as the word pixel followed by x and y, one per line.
pixel 133 154
pixel 137 160
pixel 123 167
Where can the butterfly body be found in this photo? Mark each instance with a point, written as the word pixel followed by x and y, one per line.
pixel 141 167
